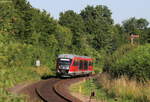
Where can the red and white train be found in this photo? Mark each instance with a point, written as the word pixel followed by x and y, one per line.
pixel 73 65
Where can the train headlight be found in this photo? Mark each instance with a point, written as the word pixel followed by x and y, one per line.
pixel 67 68
pixel 64 67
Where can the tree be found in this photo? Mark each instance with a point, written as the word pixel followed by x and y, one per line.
pixel 136 26
pixel 98 22
pixel 142 23
pixel 75 22
pixel 45 25
pixel 64 37
pixel 146 35
pixel 24 29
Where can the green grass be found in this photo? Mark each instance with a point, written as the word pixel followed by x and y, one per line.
pixel 8 97
pixel 87 87
pixel 10 77
pixel 124 89
pixel 101 94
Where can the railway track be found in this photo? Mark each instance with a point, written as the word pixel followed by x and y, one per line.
pixel 56 90
pixel 50 90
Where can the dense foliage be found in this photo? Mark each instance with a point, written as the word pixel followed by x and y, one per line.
pixel 134 64
pixel 27 33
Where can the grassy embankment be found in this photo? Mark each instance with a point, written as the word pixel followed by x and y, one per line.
pixel 9 77
pixel 17 66
pixel 112 90
pixel 125 90
pixel 87 87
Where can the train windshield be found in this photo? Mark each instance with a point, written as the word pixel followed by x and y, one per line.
pixel 65 61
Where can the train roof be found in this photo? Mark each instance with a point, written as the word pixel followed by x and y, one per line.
pixel 71 56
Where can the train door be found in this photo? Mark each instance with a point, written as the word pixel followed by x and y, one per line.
pixel 85 65
pixel 81 65
pixel 75 65
pixel 90 65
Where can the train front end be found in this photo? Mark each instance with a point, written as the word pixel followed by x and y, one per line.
pixel 73 65
pixel 63 66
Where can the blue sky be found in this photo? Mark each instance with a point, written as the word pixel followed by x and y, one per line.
pixel 121 9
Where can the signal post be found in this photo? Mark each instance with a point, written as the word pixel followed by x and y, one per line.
pixel 132 37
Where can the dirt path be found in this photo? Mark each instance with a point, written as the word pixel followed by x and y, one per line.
pixel 28 90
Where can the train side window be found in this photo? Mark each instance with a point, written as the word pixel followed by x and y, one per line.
pixel 90 63
pixel 81 65
pixel 75 63
pixel 85 64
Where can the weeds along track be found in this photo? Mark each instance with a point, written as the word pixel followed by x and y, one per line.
pixel 57 90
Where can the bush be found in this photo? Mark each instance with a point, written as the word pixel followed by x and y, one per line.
pixel 134 64
pixel 123 89
pixel 9 77
pixel 111 59
pixel 22 55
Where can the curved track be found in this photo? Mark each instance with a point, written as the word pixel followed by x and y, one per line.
pixel 46 91
pixel 56 90
pixel 50 90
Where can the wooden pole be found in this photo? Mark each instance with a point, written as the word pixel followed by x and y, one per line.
pixel 132 41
